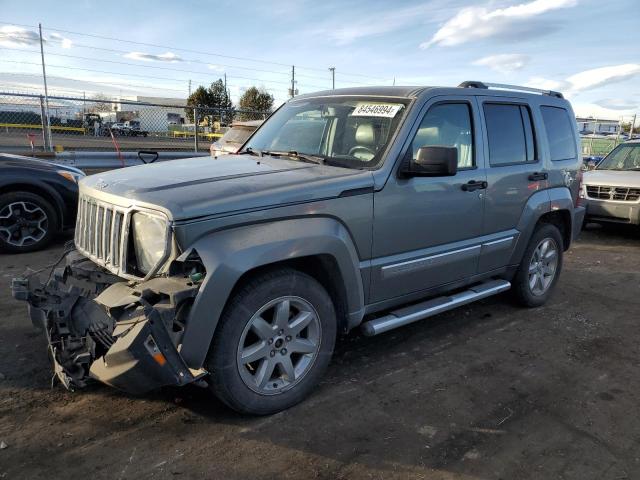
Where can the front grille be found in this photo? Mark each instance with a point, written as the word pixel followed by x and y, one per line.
pixel 100 231
pixel 620 194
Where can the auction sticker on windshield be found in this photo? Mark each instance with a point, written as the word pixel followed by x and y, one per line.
pixel 376 110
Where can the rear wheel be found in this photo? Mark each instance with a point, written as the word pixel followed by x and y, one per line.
pixel 540 266
pixel 273 343
pixel 28 222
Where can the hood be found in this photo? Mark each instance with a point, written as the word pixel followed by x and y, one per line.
pixel 612 178
pixel 198 187
pixel 21 161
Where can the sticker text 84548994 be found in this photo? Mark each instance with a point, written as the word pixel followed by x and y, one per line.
pixel 376 110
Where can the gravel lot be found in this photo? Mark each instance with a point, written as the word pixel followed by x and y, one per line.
pixel 488 391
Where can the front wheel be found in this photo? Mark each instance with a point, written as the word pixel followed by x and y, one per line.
pixel 28 222
pixel 540 266
pixel 273 343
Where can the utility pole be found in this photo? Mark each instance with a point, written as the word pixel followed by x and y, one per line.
pixel 293 81
pixel 633 122
pixel 333 77
pixel 46 92
pixel 189 87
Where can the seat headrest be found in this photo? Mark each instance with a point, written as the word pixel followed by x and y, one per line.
pixel 365 134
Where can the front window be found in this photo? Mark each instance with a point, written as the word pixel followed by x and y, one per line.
pixel 350 132
pixel 623 157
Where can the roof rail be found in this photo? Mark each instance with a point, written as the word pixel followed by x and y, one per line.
pixel 503 86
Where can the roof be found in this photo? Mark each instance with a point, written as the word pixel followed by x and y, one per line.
pixel 415 91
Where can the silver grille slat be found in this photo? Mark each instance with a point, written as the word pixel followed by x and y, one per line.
pixel 100 231
pixel 620 194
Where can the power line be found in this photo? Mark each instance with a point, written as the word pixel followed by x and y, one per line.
pixel 158 67
pixel 153 45
pixel 169 79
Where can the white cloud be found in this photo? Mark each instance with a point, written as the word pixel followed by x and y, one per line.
pixel 215 68
pixel 57 38
pixel 152 57
pixel 588 79
pixel 21 37
pixel 547 84
pixel 17 36
pixel 475 23
pixel 597 77
pixel 617 104
pixel 504 63
pixel 345 29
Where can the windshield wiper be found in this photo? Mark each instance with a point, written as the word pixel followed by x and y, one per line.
pixel 305 157
pixel 250 151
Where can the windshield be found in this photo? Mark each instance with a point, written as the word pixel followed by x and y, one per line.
pixel 623 157
pixel 349 132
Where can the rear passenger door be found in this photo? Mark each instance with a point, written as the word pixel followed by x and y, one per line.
pixel 515 171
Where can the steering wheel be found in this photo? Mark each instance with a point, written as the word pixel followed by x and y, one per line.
pixel 361 149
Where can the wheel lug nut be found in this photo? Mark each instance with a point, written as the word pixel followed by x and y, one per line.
pixel 280 332
pixel 270 341
pixel 283 351
pixel 288 338
pixel 273 353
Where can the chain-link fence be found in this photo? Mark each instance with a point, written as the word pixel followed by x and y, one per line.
pixel 103 124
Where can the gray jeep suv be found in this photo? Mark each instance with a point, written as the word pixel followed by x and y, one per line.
pixel 370 207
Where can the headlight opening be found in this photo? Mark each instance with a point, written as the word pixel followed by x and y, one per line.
pixel 149 242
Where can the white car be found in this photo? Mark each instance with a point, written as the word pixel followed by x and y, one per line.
pixel 612 189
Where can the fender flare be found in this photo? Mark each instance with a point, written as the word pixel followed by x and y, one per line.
pixel 228 254
pixel 539 204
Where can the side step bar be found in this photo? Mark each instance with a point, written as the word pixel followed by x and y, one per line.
pixel 407 315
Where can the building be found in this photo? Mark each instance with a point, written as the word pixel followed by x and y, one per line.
pixel 156 114
pixel 588 125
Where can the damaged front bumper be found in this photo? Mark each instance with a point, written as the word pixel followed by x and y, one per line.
pixel 100 327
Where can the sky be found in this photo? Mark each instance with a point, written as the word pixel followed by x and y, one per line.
pixel 588 49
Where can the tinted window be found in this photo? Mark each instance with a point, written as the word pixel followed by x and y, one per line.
pixel 558 125
pixel 510 133
pixel 447 124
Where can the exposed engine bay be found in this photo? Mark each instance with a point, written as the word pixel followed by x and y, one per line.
pixel 100 326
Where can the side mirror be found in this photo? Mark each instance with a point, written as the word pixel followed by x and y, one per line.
pixel 432 161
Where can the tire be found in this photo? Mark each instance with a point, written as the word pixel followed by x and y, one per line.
pixel 243 385
pixel 28 222
pixel 536 262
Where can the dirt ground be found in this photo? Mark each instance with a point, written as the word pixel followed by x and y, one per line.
pixel 488 391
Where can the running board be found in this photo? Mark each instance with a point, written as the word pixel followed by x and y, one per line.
pixel 407 315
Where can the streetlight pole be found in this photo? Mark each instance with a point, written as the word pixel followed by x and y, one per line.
pixel 46 92
pixel 333 77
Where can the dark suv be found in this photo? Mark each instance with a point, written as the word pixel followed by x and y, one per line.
pixel 370 207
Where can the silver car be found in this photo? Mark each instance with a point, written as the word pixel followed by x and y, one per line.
pixel 612 189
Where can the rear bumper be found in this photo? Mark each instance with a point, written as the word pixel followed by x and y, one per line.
pixel 126 336
pixel 610 211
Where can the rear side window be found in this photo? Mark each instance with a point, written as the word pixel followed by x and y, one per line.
pixel 558 125
pixel 510 133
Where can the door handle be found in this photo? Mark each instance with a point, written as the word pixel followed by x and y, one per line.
pixel 472 185
pixel 536 176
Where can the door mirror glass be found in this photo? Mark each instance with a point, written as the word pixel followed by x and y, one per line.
pixel 433 161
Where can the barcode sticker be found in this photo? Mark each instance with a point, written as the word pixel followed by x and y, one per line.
pixel 388 110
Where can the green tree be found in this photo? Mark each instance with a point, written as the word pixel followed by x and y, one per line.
pixel 207 99
pixel 255 99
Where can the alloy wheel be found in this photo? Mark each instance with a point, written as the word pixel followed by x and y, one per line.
pixel 279 345
pixel 23 223
pixel 543 266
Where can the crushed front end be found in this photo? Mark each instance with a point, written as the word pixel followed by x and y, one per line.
pixel 114 308
pixel 100 327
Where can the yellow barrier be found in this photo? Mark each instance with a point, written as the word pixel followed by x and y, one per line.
pixel 186 133
pixel 39 127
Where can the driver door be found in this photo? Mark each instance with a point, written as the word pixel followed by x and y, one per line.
pixel 426 229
